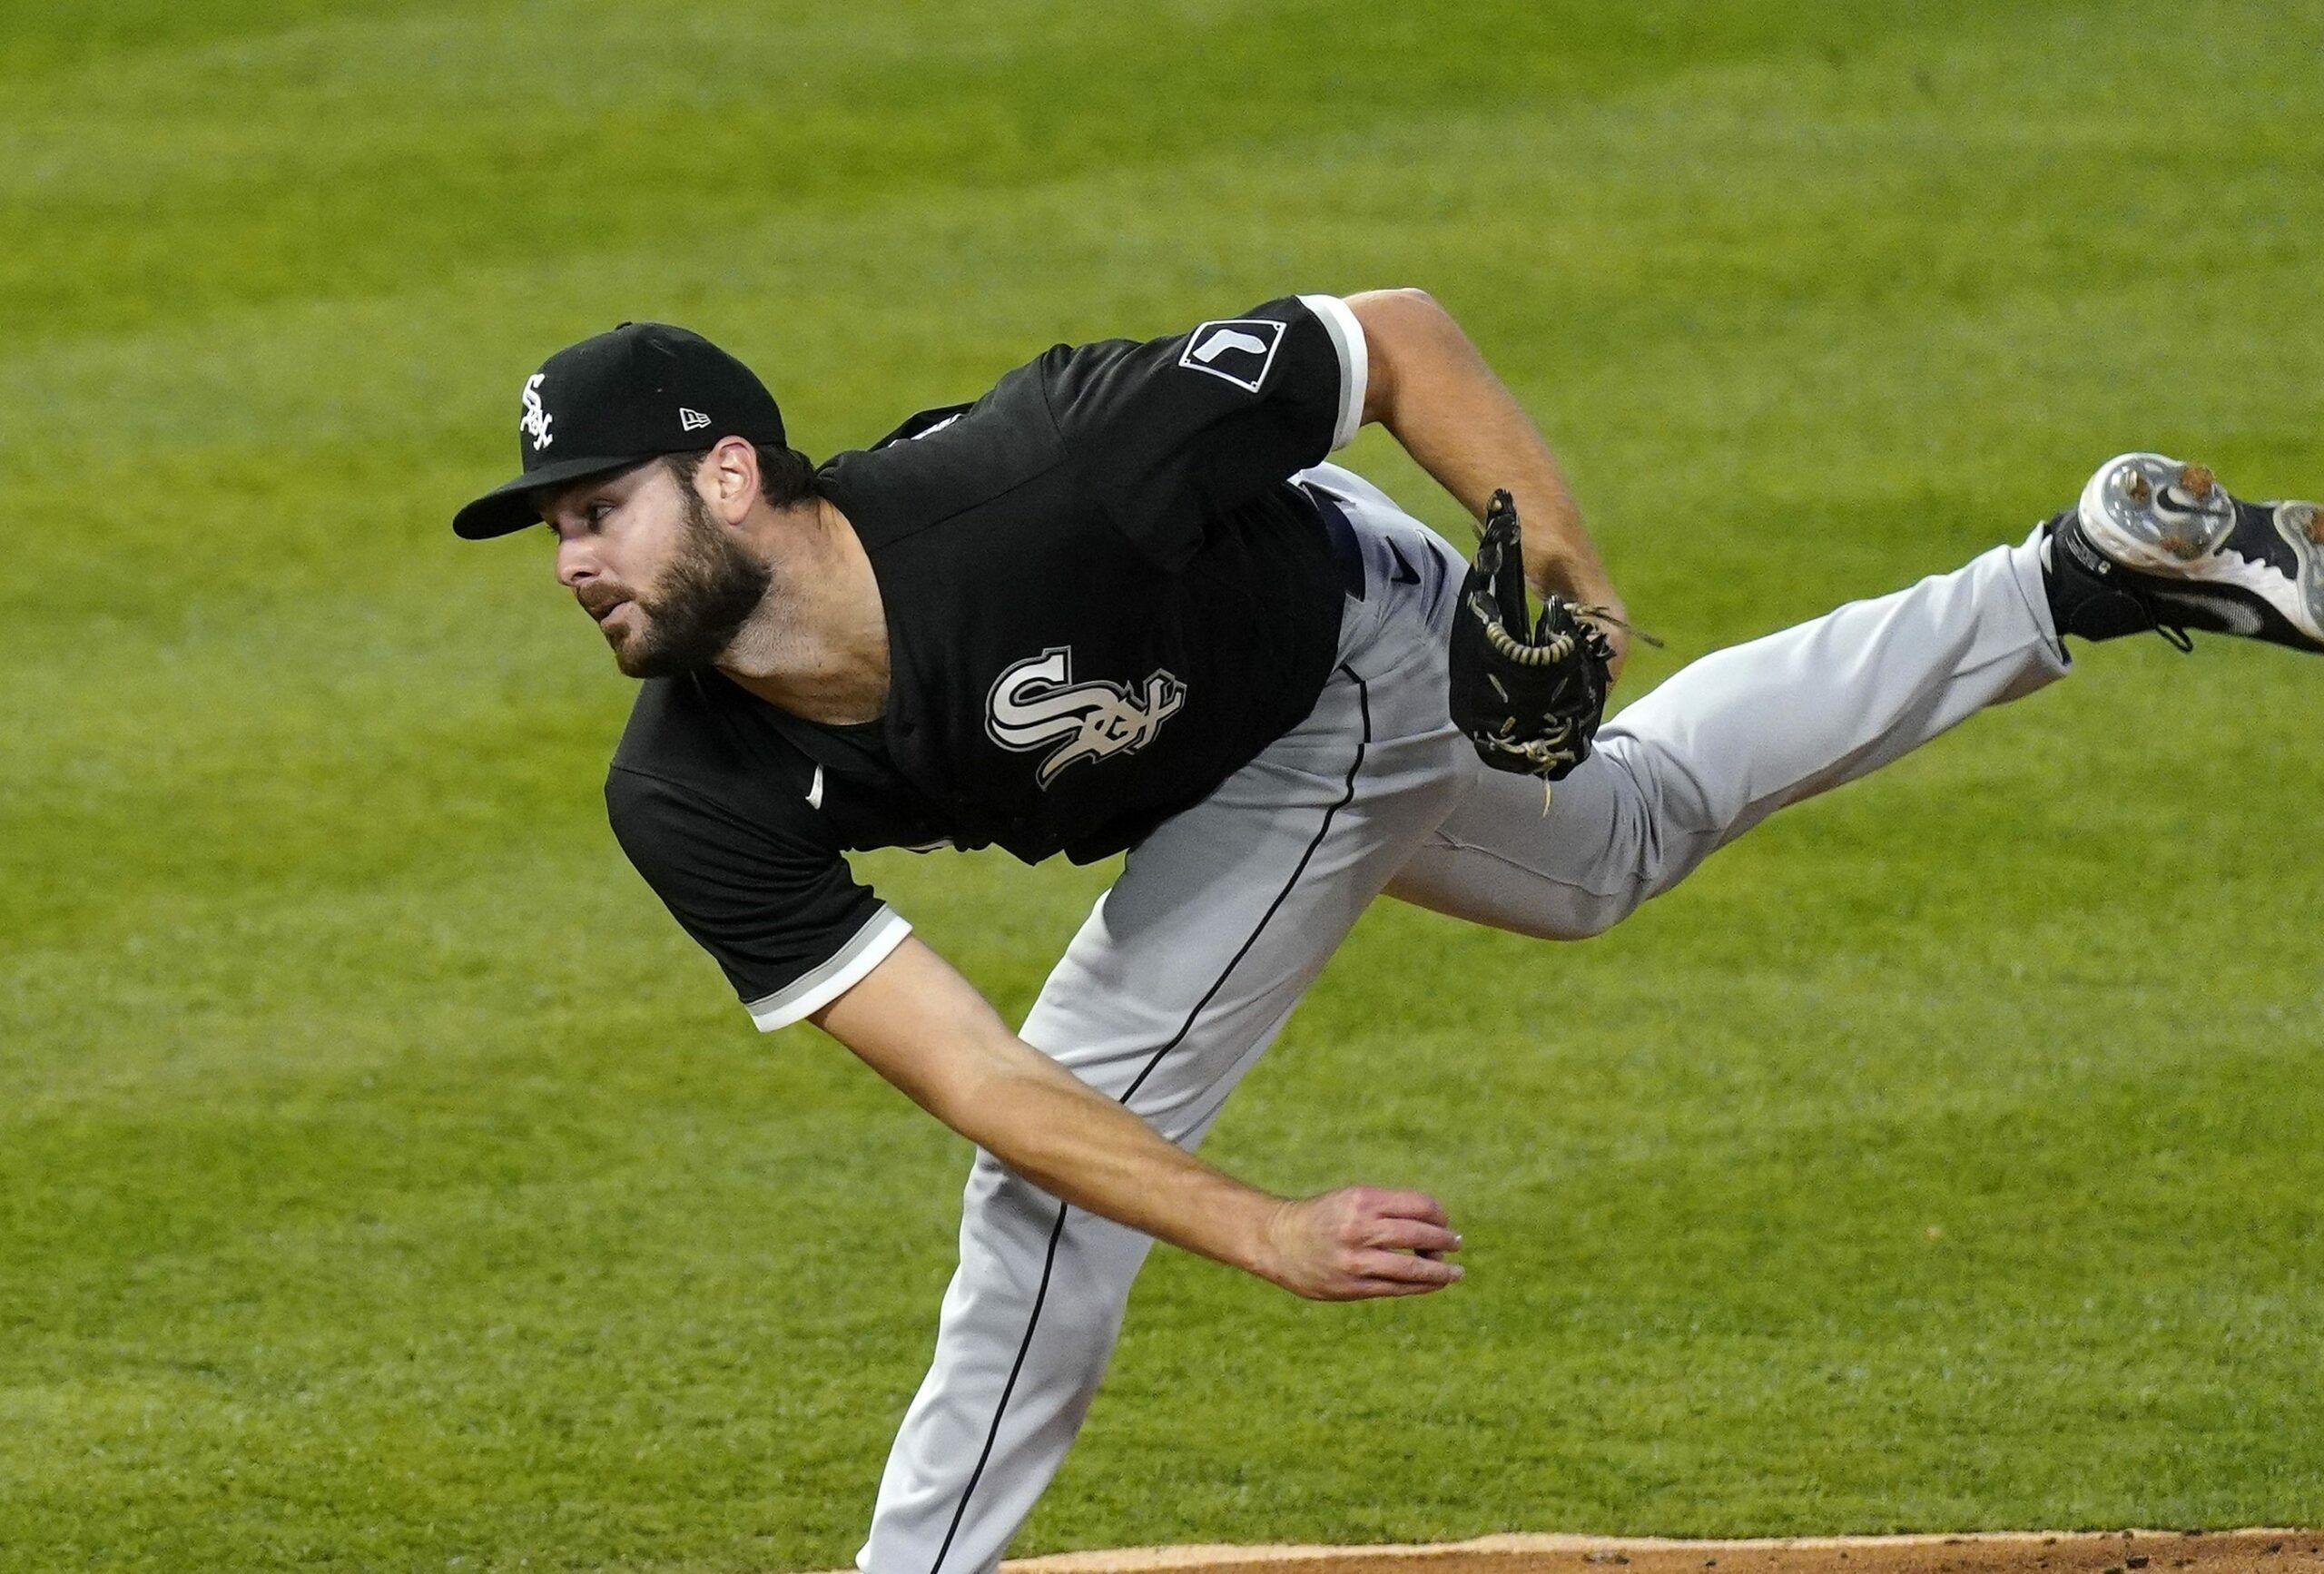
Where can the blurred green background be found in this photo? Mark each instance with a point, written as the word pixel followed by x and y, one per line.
pixel 384 1180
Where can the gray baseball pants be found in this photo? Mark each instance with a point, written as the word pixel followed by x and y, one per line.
pixel 1187 968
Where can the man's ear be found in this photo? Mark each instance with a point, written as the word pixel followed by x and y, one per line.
pixel 728 477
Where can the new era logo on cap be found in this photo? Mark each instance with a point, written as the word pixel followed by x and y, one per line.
pixel 691 421
pixel 1239 349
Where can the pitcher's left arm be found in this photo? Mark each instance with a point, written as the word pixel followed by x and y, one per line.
pixel 1431 388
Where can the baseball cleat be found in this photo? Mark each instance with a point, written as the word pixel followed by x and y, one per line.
pixel 2155 544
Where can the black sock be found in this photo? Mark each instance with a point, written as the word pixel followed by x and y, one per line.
pixel 2084 601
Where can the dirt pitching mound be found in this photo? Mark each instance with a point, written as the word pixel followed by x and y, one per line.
pixel 2086 1552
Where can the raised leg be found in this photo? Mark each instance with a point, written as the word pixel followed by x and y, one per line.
pixel 1731 739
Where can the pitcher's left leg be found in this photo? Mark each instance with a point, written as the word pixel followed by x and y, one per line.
pixel 1728 741
pixel 2153 544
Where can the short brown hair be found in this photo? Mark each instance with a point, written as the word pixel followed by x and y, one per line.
pixel 786 476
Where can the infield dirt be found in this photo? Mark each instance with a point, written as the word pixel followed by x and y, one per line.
pixel 2082 1552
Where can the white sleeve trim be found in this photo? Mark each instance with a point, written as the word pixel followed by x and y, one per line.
pixel 1347 338
pixel 866 949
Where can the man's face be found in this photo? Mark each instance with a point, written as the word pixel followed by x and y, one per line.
pixel 667 583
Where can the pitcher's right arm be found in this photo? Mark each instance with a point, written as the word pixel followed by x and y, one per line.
pixel 925 1028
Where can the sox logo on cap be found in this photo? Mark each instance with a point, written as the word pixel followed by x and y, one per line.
pixel 536 418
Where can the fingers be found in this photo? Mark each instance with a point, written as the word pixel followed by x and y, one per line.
pixel 1398 1268
pixel 1367 1275
pixel 1404 1221
pixel 1411 1235
pixel 1405 1206
pixel 1381 1286
pixel 1389 1289
pixel 1365 1242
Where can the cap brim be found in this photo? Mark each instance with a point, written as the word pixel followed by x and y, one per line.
pixel 509 506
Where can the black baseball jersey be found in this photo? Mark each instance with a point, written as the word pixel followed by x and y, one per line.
pixel 1103 596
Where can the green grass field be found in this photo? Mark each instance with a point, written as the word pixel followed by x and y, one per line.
pixel 384 1182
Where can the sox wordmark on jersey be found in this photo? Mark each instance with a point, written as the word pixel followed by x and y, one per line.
pixel 1036 702
pixel 1124 605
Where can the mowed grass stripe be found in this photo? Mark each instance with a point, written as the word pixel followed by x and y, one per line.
pixel 441 118
pixel 822 107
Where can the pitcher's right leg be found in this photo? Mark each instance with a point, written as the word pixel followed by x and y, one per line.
pixel 1175 986
pixel 1029 1324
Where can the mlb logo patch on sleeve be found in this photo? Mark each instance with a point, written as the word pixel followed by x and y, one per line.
pixel 1239 349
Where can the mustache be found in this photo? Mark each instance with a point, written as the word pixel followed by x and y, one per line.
pixel 599 598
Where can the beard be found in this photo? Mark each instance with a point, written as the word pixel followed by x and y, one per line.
pixel 697 604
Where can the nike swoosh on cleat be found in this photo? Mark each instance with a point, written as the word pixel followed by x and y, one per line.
pixel 2239 619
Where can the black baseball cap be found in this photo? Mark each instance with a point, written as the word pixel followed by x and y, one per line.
pixel 639 391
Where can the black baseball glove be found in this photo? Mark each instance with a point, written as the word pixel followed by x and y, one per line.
pixel 1531 703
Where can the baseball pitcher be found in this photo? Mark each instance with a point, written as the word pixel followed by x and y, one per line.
pixel 1121 603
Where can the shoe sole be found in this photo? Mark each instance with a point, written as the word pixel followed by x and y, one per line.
pixel 2164 518
pixel 2301 525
